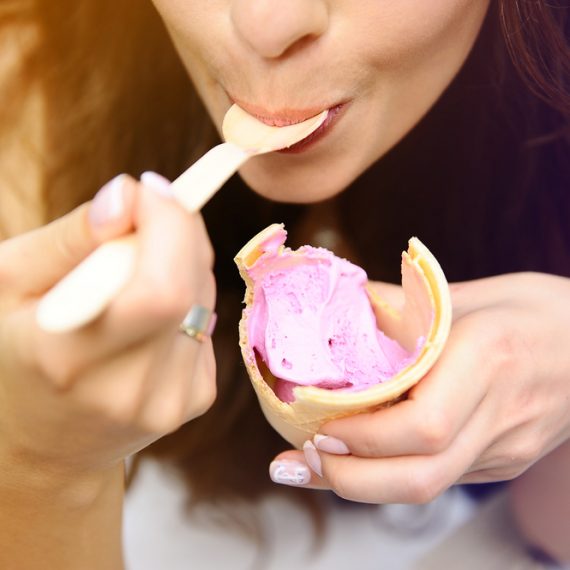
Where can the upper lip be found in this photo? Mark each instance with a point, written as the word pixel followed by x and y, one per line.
pixel 281 117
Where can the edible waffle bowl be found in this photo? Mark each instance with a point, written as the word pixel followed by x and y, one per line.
pixel 426 314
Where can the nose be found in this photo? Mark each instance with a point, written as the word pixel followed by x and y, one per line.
pixel 272 27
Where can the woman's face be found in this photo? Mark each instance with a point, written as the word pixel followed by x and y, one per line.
pixel 379 65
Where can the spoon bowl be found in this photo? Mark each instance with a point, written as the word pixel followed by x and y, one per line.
pixel 247 132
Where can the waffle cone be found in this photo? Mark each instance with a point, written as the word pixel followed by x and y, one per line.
pixel 426 313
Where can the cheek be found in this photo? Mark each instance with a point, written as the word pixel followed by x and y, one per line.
pixel 402 33
pixel 178 11
pixel 191 26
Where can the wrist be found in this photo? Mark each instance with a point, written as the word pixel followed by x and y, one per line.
pixel 24 478
pixel 56 518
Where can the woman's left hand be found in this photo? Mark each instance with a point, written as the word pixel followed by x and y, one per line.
pixel 497 400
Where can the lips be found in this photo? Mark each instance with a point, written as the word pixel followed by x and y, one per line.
pixel 332 118
pixel 288 116
pixel 282 117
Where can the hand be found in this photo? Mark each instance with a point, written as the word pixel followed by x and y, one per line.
pixel 81 401
pixel 497 401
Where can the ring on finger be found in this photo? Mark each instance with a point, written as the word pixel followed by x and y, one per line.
pixel 199 323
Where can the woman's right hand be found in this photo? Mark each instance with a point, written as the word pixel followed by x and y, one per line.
pixel 80 402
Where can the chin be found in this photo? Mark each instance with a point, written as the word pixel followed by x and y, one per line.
pixel 296 185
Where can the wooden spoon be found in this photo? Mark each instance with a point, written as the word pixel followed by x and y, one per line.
pixel 84 293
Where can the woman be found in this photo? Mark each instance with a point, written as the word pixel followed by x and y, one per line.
pixel 434 133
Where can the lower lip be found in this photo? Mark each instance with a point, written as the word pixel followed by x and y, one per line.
pixel 308 142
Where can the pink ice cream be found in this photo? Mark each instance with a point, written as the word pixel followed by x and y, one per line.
pixel 312 323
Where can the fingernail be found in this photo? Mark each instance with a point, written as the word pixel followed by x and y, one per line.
pixel 158 183
pixel 313 458
pixel 108 204
pixel 288 472
pixel 331 444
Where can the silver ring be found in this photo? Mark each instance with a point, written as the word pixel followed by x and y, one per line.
pixel 199 323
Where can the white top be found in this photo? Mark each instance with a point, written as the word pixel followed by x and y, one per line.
pixel 159 534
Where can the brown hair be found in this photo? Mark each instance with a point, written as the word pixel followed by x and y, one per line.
pixel 118 100
pixel 536 37
pixel 117 97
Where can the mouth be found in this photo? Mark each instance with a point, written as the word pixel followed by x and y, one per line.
pixel 287 117
pixel 332 118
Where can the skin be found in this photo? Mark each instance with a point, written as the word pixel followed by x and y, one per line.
pixel 281 59
pixel 488 409
pixel 100 393
pixel 498 400
pixel 292 59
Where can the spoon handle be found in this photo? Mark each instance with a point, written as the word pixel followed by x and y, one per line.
pixel 194 187
pixel 84 293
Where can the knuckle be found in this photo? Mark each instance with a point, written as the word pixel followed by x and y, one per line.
pixel 59 372
pixel 201 405
pixel 183 399
pixel 434 432
pixel 67 241
pixel 176 411
pixel 424 486
pixel 170 417
pixel 161 414
pixel 524 453
pixel 368 444
pixel 123 408
pixel 162 300
pixel 504 348
pixel 171 304
pixel 204 396
pixel 340 485
pixel 160 424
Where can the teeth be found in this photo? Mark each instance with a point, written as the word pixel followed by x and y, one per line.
pixel 426 313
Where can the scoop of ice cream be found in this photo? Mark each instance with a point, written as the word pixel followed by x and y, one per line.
pixel 313 325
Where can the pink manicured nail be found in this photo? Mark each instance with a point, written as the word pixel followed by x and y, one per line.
pixel 158 183
pixel 109 203
pixel 313 458
pixel 331 444
pixel 288 472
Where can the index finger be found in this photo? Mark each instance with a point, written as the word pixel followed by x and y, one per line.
pixel 430 418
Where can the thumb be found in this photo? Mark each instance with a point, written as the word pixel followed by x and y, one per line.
pixel 33 262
